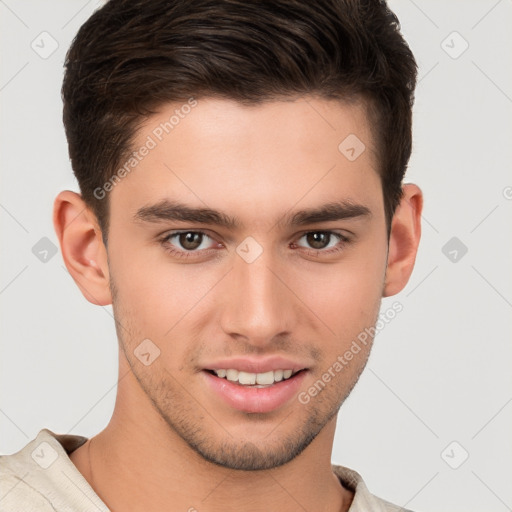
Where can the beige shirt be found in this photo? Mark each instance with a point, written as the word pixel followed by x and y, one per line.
pixel 41 477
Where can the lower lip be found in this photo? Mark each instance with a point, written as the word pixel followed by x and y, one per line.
pixel 255 400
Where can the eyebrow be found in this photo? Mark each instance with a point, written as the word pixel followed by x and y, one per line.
pixel 167 210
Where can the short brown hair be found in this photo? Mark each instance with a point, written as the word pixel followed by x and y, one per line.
pixel 133 56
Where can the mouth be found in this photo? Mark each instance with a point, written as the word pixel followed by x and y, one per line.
pixel 254 392
pixel 254 380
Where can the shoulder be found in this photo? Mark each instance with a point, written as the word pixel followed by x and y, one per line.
pixel 20 479
pixel 16 495
pixel 364 500
pixel 42 477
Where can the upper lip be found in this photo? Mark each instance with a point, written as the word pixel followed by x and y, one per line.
pixel 256 365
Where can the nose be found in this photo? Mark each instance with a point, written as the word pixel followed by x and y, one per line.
pixel 258 305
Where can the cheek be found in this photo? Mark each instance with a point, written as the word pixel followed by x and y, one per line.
pixel 146 293
pixel 159 297
pixel 346 296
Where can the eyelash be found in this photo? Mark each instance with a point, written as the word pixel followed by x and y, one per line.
pixel 190 254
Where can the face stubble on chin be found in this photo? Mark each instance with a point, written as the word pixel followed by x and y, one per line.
pixel 197 426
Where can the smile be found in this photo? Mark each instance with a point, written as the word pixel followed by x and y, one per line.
pixel 254 379
pixel 249 392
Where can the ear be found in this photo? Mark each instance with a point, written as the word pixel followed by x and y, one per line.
pixel 404 239
pixel 82 247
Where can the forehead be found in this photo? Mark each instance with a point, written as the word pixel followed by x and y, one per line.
pixel 311 122
pixel 253 159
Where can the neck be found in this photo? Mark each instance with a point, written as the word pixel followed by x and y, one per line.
pixel 139 463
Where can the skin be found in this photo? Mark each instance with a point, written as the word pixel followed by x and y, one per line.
pixel 172 444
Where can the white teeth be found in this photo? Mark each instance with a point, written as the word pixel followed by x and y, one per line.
pixel 247 378
pixel 251 379
pixel 232 375
pixel 265 378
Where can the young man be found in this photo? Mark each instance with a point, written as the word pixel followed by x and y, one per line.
pixel 242 208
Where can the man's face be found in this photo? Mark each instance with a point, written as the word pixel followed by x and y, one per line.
pixel 266 295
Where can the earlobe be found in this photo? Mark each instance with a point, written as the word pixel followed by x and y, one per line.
pixel 82 246
pixel 404 240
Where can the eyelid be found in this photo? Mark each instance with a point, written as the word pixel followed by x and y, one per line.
pixel 342 240
pixel 170 234
pixel 341 232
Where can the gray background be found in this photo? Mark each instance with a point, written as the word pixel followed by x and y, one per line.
pixel 438 384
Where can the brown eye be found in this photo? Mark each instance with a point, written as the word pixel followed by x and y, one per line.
pixel 187 243
pixel 318 239
pixel 323 243
pixel 190 240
